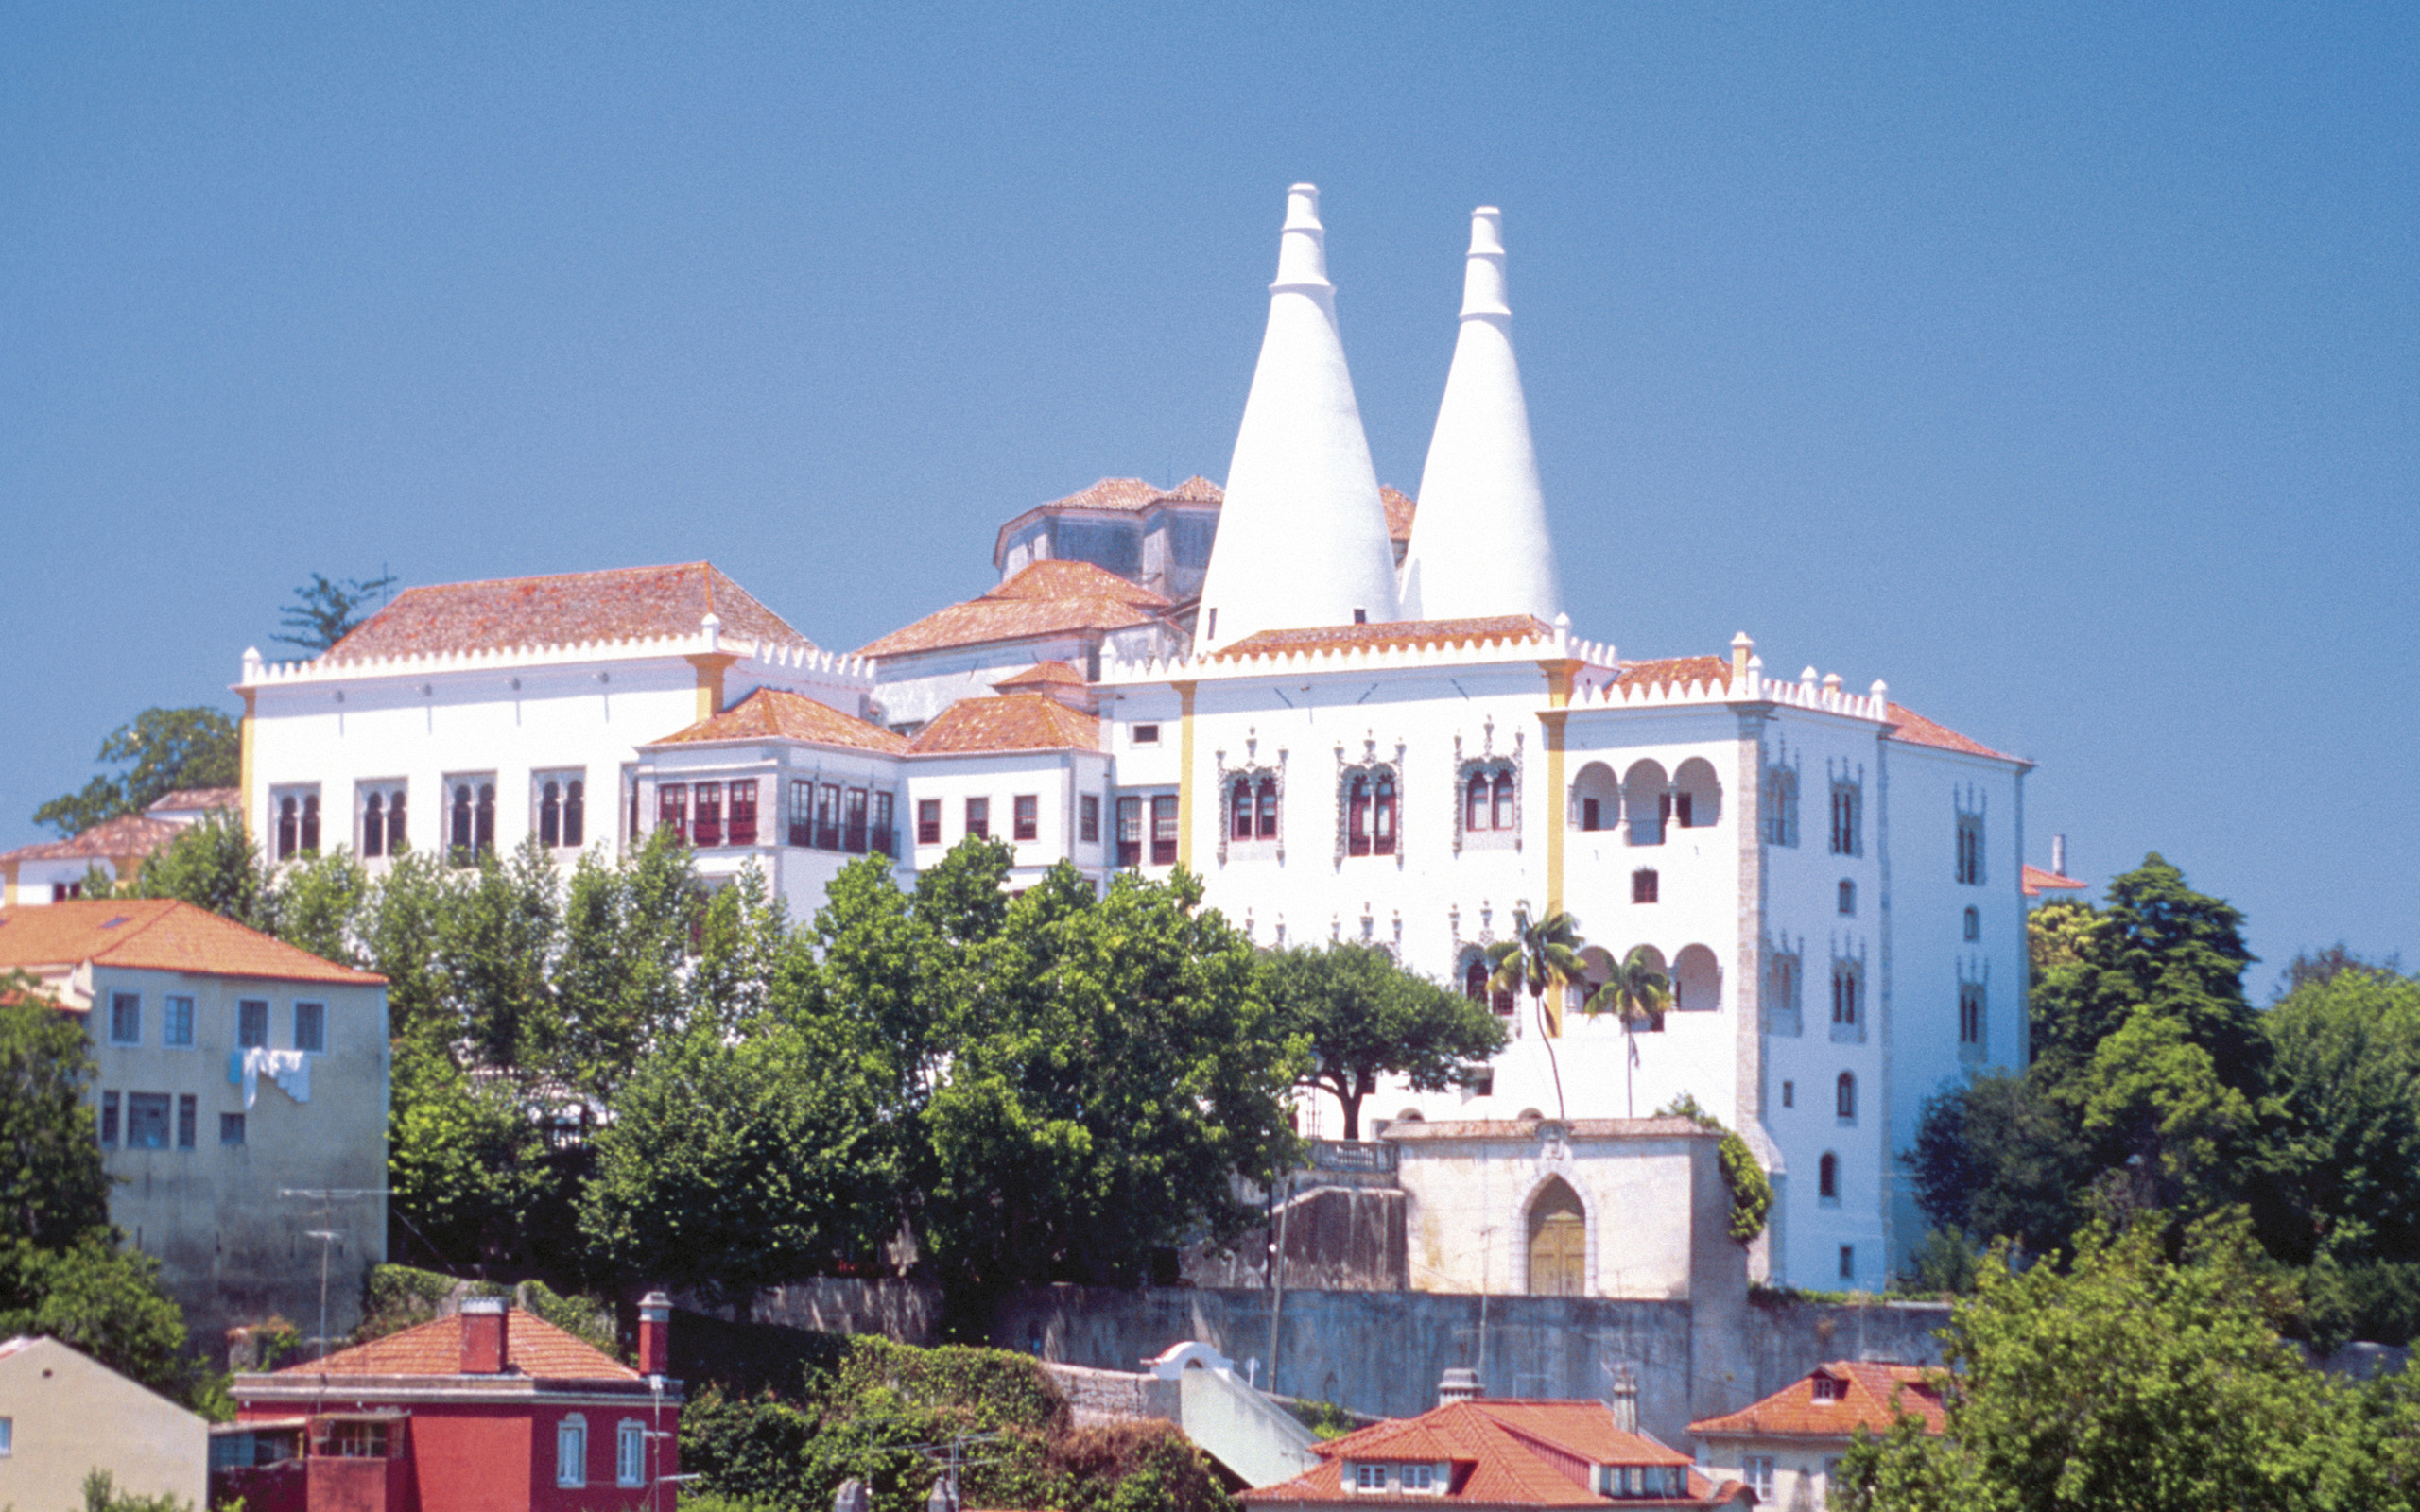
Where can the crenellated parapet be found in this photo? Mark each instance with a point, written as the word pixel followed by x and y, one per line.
pixel 799 661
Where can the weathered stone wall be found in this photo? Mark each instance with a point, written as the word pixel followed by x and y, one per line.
pixel 908 1312
pixel 1338 1238
pixel 1098 1397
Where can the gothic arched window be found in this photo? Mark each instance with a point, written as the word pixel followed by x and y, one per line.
pixel 1269 808
pixel 1844 1096
pixel 1476 815
pixel 1504 800
pixel 1240 802
pixel 1827 1176
pixel 1382 818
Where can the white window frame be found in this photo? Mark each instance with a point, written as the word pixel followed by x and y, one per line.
pixel 571 1452
pixel 1757 1470
pixel 135 1012
pixel 563 777
pixel 388 789
pixel 630 1453
pixel 172 1018
pixel 306 797
pixel 298 1005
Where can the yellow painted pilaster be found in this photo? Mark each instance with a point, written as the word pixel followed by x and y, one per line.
pixel 1185 783
pixel 1557 710
pixel 243 766
pixel 8 887
pixel 711 665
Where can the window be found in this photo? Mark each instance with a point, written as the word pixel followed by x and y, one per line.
pixel 1504 800
pixel 1592 815
pixel 885 837
pixel 827 818
pixel 852 822
pixel 109 1119
pixel 231 1128
pixel 188 1114
pixel 629 1455
pixel 1357 817
pixel 382 819
pixel 1846 985
pixel 1148 734
pixel 355 1438
pixel 1974 923
pixel 802 813
pixel 1757 1470
pixel 1025 816
pixel 1970 1015
pixel 126 1018
pixel 1790 1094
pixel 251 1022
pixel 1848 898
pixel 550 813
pixel 1267 798
pixel 562 819
pixel 705 815
pixel 1643 886
pixel 979 817
pixel 1129 832
pixel 1827 1177
pixel 470 819
pixel 1684 807
pixel 176 1022
pixel 1420 1477
pixel 672 809
pixel 1781 806
pixel 1240 807
pixel 743 812
pixel 297 821
pixel 311 1026
pixel 571 1451
pixel 8 1436
pixel 1382 818
pixel 1830 1388
pixel 1475 988
pixel 147 1121
pixel 1088 818
pixel 61 892
pixel 1844 1096
pixel 1361 616
pixel 1163 829
pixel 929 821
pixel 1970 849
pixel 1848 839
pixel 1368 1477
pixel 1848 1263
pixel 1370 812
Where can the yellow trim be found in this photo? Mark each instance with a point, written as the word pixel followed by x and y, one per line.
pixel 1558 710
pixel 711 665
pixel 1185 692
pixel 8 887
pixel 243 762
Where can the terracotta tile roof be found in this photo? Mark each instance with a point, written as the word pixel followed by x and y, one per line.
pixel 773 713
pixel 1681 669
pixel 1075 579
pixel 1011 721
pixel 1916 729
pixel 1503 1453
pixel 622 604
pixel 2033 881
pixel 1133 495
pixel 196 799
pixel 1045 675
pixel 160 934
pixel 129 835
pixel 1394 634
pixel 1400 508
pixel 532 1347
pixel 1872 1397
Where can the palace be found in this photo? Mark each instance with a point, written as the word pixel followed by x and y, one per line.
pixel 1355 717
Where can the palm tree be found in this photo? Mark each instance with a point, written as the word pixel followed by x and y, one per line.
pixel 1543 954
pixel 1637 991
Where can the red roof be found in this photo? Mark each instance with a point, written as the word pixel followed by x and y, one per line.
pixel 1676 669
pixel 532 1347
pixel 196 799
pixel 1400 510
pixel 129 835
pixel 1133 495
pixel 1502 1453
pixel 773 713
pixel 1871 1396
pixel 2032 881
pixel 1011 721
pixel 1047 599
pixel 1045 675
pixel 626 603
pixel 1075 579
pixel 1390 635
pixel 1915 729
pixel 158 935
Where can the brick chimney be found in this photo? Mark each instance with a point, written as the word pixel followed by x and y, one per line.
pixel 655 1335
pixel 483 1329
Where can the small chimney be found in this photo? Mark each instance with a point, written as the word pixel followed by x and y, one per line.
pixel 655 1335
pixel 1625 1402
pixel 483 1335
pixel 2058 855
pixel 1459 1383
pixel 1742 649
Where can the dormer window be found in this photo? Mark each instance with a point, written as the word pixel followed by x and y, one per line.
pixel 1642 1482
pixel 1414 1478
pixel 1830 1388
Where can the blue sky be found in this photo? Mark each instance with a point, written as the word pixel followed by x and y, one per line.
pixel 2059 366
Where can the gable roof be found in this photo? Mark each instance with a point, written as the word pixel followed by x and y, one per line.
pixel 129 835
pixel 1915 729
pixel 1676 669
pixel 1075 579
pixel 1045 675
pixel 775 713
pixel 532 1347
pixel 197 801
pixel 1047 599
pixel 159 934
pixel 1009 721
pixel 625 602
pixel 1390 635
pixel 1504 1452
pixel 2033 881
pixel 1873 1397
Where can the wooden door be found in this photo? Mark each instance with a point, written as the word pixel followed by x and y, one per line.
pixel 1558 1244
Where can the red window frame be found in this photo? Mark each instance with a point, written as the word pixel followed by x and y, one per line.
pixel 1504 800
pixel 1269 808
pixel 1129 832
pixel 671 809
pixel 801 826
pixel 929 821
pixel 705 815
pixel 1240 809
pixel 1357 817
pixel 743 811
pixel 1024 816
pixel 1163 829
pixel 853 837
pixel 979 817
pixel 1476 812
pixel 886 838
pixel 1382 815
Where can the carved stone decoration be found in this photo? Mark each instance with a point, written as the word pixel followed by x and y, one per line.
pixel 1372 766
pixel 1487 763
pixel 1255 772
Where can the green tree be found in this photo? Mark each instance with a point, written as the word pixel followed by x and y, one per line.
pixel 162 750
pixel 102 1495
pixel 325 612
pixel 212 865
pixel 319 903
pixel 102 1298
pixel 497 941
pixel 1996 1157
pixel 1637 993
pixel 475 1186
pixel 621 979
pixel 1542 954
pixel 1365 1017
pixel 53 1188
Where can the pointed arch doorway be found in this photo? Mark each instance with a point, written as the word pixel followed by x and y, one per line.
pixel 1557 1242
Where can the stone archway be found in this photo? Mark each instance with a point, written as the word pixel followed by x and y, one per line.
pixel 1557 1242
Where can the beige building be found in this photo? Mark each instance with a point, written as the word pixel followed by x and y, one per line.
pixel 64 1414
pixel 1788 1448
pixel 240 1105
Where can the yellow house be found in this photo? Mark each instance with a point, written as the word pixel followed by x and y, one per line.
pixel 64 1414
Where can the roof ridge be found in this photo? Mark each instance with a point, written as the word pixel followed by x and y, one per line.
pixel 157 915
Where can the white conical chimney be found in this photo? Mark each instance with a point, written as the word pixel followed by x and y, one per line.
pixel 1302 535
pixel 1480 543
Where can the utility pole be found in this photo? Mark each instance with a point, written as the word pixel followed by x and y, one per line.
pixel 327 1197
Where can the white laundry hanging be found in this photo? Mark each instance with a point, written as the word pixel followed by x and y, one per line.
pixel 289 1069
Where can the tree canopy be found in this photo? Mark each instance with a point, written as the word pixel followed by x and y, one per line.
pixel 158 752
pixel 1365 1017
pixel 325 612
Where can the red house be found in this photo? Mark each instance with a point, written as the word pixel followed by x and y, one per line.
pixel 491 1410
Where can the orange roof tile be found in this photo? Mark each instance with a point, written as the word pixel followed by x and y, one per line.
pixel 1872 1397
pixel 2033 881
pixel 196 799
pixel 1390 635
pixel 1116 495
pixel 532 1347
pixel 1915 729
pixel 1075 579
pixel 1045 675
pixel 1400 509
pixel 159 934
pixel 774 714
pixel 1011 721
pixel 1504 1454
pixel 129 835
pixel 622 604
pixel 1680 669
pixel 985 621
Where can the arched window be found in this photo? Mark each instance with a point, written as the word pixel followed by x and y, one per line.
pixel 1827 1177
pixel 1848 898
pixel 1269 808
pixel 550 815
pixel 1356 816
pixel 373 826
pixel 486 837
pixel 1974 923
pixel 1557 1242
pixel 1697 980
pixel 288 827
pixel 1647 800
pixel 1477 814
pixel 1382 822
pixel 1504 800
pixel 1239 802
pixel 1474 981
pixel 311 821
pixel 1844 1096
pixel 461 839
pixel 575 813
pixel 1598 795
